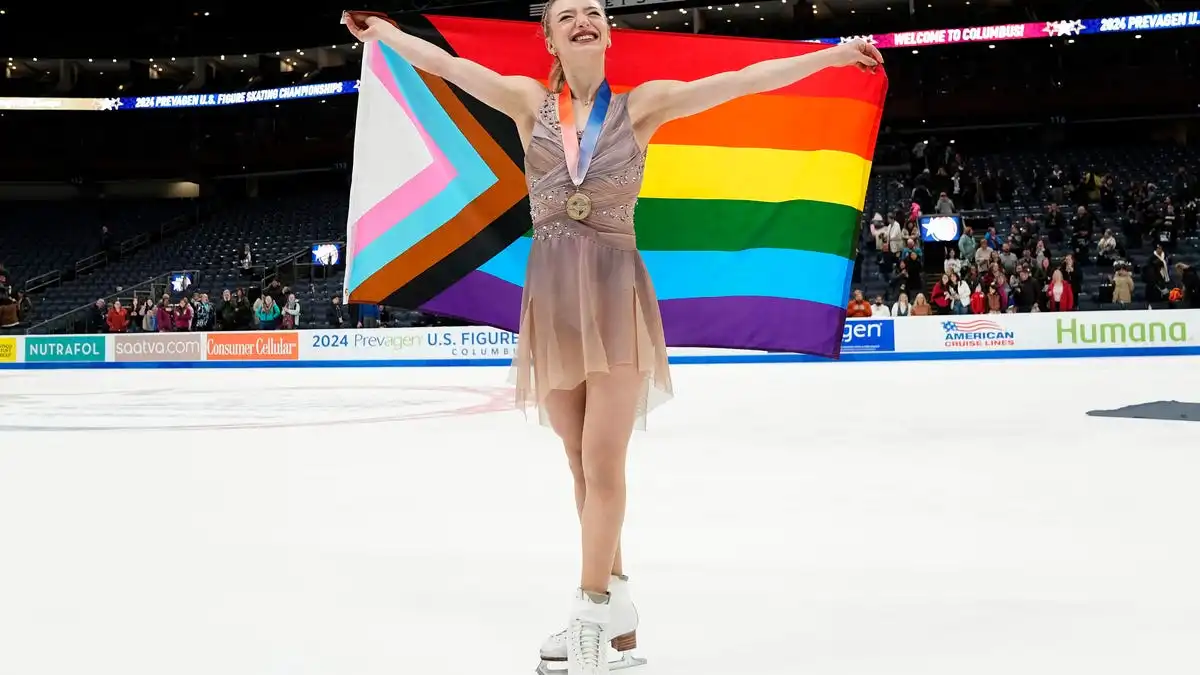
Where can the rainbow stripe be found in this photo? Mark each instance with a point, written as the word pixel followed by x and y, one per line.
pixel 749 213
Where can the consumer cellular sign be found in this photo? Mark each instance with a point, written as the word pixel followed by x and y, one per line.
pixel 69 348
pixel 279 346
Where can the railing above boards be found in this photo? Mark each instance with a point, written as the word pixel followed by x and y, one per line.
pixel 91 262
pixel 134 243
pixel 42 281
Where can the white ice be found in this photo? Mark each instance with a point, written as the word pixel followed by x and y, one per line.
pixel 960 518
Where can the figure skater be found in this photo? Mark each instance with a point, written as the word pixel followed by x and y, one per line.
pixel 592 356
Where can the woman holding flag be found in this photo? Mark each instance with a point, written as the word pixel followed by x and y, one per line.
pixel 593 356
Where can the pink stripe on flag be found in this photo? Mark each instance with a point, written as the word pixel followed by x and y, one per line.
pixel 418 190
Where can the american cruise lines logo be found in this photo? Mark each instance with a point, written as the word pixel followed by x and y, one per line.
pixel 977 333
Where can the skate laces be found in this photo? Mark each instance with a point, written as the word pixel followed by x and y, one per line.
pixel 587 643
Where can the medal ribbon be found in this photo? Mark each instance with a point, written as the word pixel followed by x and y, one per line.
pixel 579 154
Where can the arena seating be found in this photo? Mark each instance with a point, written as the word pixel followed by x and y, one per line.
pixel 1147 164
pixel 282 226
pixel 276 228
pixel 43 237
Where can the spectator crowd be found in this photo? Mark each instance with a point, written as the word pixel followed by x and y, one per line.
pixel 1018 270
pixel 275 308
pixel 15 306
pixel 1078 239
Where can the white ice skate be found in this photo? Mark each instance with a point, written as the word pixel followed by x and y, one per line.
pixel 621 636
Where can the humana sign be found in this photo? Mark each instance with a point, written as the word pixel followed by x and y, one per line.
pixel 1081 332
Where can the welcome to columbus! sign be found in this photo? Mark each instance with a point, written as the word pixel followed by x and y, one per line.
pixel 1030 31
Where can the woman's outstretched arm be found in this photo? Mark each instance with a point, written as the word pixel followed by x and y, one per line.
pixel 657 102
pixel 516 96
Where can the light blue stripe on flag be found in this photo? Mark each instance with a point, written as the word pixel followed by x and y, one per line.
pixel 677 275
pixel 474 175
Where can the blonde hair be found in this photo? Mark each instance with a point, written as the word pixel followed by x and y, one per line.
pixel 558 77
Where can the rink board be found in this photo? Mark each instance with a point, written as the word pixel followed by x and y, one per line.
pixel 996 336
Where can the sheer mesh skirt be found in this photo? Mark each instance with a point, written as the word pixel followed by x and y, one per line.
pixel 587 308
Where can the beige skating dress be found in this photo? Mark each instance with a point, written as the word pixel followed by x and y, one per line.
pixel 588 304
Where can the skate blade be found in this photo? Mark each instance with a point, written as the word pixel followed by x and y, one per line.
pixel 626 662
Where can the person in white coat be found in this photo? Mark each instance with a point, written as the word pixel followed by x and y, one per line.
pixel 960 295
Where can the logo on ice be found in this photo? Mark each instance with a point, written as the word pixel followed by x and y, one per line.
pixel 977 334
pixel 253 347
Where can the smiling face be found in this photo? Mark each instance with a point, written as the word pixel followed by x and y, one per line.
pixel 575 27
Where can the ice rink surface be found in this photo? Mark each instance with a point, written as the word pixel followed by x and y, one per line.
pixel 957 518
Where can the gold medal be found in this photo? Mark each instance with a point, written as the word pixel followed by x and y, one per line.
pixel 579 206
pixel 580 147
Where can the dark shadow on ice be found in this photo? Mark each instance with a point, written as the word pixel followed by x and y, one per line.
pixel 1173 411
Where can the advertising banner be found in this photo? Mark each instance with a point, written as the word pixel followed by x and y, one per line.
pixel 964 333
pixel 158 347
pixel 869 335
pixel 265 346
pixel 8 350
pixel 1121 329
pixel 1039 335
pixel 65 349
pixel 321 89
pixel 384 344
pixel 365 345
pixel 477 343
pixel 1048 331
pixel 978 332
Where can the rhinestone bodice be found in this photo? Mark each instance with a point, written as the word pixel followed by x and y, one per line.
pixel 612 182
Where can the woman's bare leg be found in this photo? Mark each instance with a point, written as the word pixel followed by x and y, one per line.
pixel 610 413
pixel 566 412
